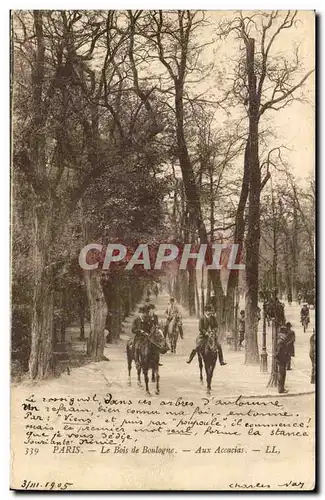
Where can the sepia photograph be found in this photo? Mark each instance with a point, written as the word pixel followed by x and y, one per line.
pixel 163 250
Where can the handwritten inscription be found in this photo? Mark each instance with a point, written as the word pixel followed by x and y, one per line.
pixel 107 425
pixel 111 425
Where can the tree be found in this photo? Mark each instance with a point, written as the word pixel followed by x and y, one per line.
pixel 62 143
pixel 263 82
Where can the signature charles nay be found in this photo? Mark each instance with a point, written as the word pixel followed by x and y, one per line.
pixel 262 486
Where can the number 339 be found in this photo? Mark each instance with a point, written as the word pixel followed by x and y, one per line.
pixel 31 451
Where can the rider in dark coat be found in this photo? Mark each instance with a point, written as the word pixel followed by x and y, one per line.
pixel 207 323
pixel 142 323
pixel 153 315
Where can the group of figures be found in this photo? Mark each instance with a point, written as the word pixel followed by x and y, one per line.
pixel 285 346
pixel 152 339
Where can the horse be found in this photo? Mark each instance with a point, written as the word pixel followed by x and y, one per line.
pixel 172 333
pixel 145 352
pixel 208 354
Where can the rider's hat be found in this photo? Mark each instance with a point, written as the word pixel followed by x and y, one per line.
pixel 288 324
pixel 208 308
pixel 283 329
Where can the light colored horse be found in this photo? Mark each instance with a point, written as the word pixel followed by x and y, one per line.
pixel 172 333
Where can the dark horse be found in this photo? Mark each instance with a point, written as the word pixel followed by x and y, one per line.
pixel 145 352
pixel 208 354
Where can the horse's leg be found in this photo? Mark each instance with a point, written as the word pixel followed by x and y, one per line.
pixel 139 377
pixel 146 379
pixel 157 379
pixel 201 367
pixel 212 366
pixel 153 375
pixel 129 357
pixel 208 374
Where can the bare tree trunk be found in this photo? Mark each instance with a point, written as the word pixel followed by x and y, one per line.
pixel 41 356
pixel 253 231
pixel 197 296
pixel 183 286
pixel 82 311
pixel 190 187
pixel 191 290
pixel 294 255
pixel 98 311
pixel 238 239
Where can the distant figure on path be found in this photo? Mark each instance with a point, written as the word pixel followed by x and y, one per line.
pixel 282 357
pixel 304 316
pixel 172 312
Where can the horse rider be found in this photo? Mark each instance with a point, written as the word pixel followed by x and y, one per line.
pixel 291 343
pixel 282 357
pixel 172 312
pixel 241 327
pixel 304 313
pixel 142 325
pixel 207 323
pixel 153 316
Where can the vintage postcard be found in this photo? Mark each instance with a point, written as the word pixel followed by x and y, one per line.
pixel 163 332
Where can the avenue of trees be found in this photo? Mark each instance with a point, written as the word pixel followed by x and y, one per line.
pixel 125 128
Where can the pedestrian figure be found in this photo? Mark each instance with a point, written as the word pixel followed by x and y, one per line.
pixel 207 324
pixel 291 343
pixel 279 312
pixel 212 301
pixel 312 355
pixel 304 316
pixel 241 328
pixel 282 357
